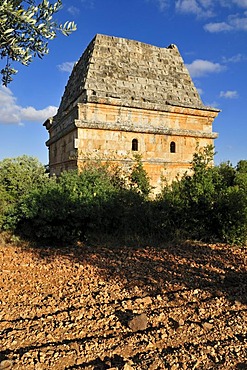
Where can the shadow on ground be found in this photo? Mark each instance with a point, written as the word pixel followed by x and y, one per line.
pixel 220 269
pixel 166 271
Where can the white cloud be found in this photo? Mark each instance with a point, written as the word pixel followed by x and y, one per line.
pixel 66 67
pixel 236 20
pixel 32 114
pixel 200 8
pixel 206 9
pixel 163 4
pixel 241 3
pixel 199 90
pixel 199 68
pixel 73 10
pixel 233 23
pixel 88 3
pixel 12 113
pixel 213 104
pixel 229 94
pixel 234 59
pixel 217 27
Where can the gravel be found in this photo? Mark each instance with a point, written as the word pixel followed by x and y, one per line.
pixel 118 307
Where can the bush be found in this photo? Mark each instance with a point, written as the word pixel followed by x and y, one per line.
pixel 49 214
pixel 138 178
pixel 210 204
pixel 64 209
pixel 18 176
pixel 231 216
pixel 75 206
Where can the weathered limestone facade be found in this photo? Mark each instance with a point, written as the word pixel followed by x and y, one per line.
pixel 126 97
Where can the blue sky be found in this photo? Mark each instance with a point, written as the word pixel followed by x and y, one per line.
pixel 211 36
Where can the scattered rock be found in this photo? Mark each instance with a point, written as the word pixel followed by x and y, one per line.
pixel 138 322
pixel 147 300
pixel 163 308
pixel 128 367
pixel 181 322
pixel 6 364
pixel 207 326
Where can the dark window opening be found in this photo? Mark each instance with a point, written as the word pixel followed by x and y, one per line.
pixel 172 147
pixel 135 145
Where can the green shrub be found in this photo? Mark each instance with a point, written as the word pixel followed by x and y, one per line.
pixel 209 204
pixel 18 176
pixel 139 180
pixel 190 201
pixel 231 216
pixel 50 214
pixel 66 207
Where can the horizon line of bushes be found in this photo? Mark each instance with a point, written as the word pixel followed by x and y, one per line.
pixel 210 204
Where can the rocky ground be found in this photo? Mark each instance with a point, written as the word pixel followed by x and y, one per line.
pixel 101 307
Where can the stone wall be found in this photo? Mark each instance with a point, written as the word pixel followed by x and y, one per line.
pixel 122 90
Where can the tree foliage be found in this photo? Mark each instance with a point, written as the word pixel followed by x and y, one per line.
pixel 138 177
pixel 69 207
pixel 25 29
pixel 209 203
pixel 18 177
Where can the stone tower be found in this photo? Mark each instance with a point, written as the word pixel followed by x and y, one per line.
pixel 126 97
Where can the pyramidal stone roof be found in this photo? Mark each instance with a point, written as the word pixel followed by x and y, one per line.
pixel 130 73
